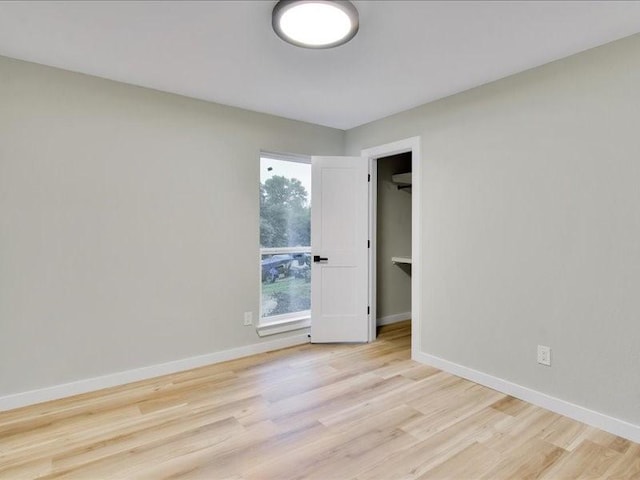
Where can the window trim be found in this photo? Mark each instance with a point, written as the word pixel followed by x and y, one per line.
pixel 287 157
pixel 295 321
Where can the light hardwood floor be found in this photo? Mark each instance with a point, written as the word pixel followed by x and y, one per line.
pixel 325 412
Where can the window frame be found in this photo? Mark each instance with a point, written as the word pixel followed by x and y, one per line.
pixel 286 322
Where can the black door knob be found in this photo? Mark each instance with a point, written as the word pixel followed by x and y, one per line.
pixel 318 259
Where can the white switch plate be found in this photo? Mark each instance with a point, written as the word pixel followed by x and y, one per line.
pixel 544 355
pixel 248 318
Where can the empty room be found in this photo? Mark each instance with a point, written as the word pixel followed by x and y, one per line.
pixel 319 239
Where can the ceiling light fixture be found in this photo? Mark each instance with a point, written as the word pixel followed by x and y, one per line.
pixel 315 23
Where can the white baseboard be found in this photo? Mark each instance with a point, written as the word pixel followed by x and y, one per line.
pixel 114 379
pixel 389 319
pixel 590 417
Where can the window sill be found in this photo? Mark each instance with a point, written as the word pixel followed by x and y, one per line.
pixel 281 326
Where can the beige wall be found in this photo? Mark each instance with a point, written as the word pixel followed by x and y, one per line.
pixel 531 226
pixel 393 295
pixel 129 223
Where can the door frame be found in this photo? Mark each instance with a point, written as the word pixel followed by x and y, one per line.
pixel 372 155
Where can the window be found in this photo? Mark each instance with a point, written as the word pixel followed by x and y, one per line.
pixel 285 239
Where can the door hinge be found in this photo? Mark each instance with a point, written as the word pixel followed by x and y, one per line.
pixel 368 177
pixel 368 243
pixel 368 310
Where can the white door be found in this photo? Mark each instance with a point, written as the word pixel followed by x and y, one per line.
pixel 339 245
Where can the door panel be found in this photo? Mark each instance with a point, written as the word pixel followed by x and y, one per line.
pixel 339 232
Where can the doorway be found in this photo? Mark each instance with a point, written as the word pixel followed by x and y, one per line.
pixel 412 183
pixel 393 239
pixel 343 257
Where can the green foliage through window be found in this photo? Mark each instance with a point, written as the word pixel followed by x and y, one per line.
pixel 285 222
pixel 285 214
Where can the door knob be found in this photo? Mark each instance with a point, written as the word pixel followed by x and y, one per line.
pixel 318 259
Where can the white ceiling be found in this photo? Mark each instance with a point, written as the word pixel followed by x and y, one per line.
pixel 406 53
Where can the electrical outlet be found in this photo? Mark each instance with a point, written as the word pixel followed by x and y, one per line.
pixel 544 355
pixel 248 318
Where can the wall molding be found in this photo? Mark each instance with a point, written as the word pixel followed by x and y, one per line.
pixel 599 420
pixel 389 319
pixel 582 414
pixel 55 392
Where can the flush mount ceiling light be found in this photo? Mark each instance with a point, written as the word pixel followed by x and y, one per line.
pixel 315 23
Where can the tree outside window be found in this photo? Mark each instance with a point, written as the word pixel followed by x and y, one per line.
pixel 285 223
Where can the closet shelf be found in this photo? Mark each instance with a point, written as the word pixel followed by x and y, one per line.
pixel 401 260
pixel 403 180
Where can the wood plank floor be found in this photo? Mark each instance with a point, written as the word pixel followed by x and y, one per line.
pixel 325 412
